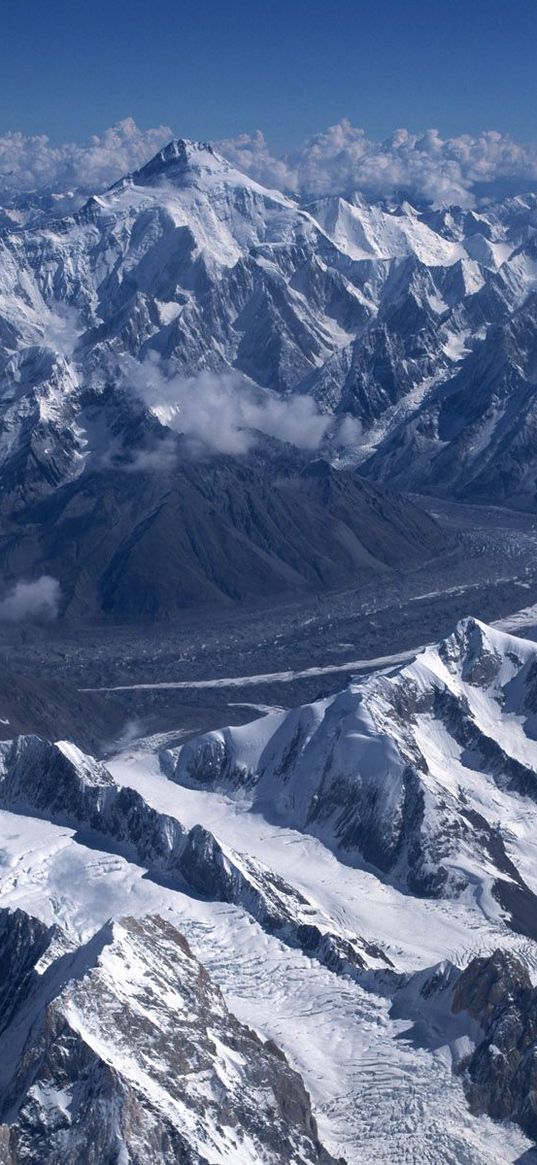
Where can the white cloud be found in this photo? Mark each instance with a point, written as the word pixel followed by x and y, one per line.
pixel 33 163
pixel 156 456
pixel 339 160
pixel 38 600
pixel 225 413
pixel 343 159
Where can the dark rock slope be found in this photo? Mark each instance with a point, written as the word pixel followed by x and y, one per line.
pixel 500 1076
pixel 134 546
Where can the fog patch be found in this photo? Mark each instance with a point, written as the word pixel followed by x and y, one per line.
pixel 62 329
pixel 132 730
pixel 37 601
pixel 225 413
pixel 348 432
pixel 158 456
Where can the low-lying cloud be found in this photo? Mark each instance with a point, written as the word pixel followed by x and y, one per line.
pixel 156 455
pixel 34 163
pixel 225 413
pixel 339 160
pixel 37 601
pixel 443 171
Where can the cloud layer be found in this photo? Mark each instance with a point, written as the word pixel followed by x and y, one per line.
pixel 339 160
pixel 36 601
pixel 224 413
pixel 443 171
pixel 33 163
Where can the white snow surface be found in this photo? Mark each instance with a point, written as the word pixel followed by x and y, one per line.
pixel 377 1097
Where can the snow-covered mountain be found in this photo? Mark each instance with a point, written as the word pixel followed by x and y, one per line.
pixel 416 771
pixel 311 938
pixel 188 310
pixel 129 1052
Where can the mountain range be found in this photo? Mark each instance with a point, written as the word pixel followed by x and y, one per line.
pixel 246 439
pixel 190 334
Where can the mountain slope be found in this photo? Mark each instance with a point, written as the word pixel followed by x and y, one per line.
pixel 144 546
pixel 320 863
pixel 417 771
pixel 98 1068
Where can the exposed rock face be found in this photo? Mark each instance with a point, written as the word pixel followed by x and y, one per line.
pixel 486 1017
pixel 500 1076
pixel 125 1050
pixel 487 984
pixel 23 940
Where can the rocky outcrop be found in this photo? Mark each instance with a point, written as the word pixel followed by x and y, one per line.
pixel 500 1076
pixel 23 941
pixel 127 1050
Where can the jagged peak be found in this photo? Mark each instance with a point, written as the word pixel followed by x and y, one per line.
pixel 479 653
pixel 469 625
pixel 469 641
pixel 179 158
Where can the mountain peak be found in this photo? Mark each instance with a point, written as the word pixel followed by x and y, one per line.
pixel 181 158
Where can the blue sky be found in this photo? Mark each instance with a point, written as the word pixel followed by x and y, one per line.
pixel 211 69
